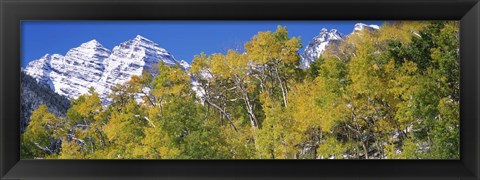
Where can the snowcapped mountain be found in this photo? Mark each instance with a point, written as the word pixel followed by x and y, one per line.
pixel 185 65
pixel 132 58
pixel 318 45
pixel 320 42
pixel 92 65
pixel 361 26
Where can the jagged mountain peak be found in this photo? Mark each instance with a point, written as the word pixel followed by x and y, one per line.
pixel 91 44
pixel 92 65
pixel 318 44
pixel 141 41
pixel 326 35
pixel 49 56
pixel 141 38
pixel 362 26
pixel 46 56
pixel 143 49
pixel 91 52
pixel 43 61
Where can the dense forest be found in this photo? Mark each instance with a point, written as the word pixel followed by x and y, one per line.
pixel 391 93
pixel 33 95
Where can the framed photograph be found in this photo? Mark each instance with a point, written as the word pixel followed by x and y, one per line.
pixel 239 89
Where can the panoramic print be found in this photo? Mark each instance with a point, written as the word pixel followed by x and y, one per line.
pixel 240 90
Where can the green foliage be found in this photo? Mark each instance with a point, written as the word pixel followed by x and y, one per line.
pixel 314 69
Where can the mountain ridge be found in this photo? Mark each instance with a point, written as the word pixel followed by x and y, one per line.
pixel 326 37
pixel 92 65
pixel 318 45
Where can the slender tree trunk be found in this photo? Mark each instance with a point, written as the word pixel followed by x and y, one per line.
pixel 240 86
pixel 160 105
pixel 357 130
pixel 227 115
pixel 102 140
pixel 365 150
pixel 284 94
pixel 45 149
pixel 253 118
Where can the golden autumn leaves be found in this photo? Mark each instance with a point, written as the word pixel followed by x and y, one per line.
pixel 391 93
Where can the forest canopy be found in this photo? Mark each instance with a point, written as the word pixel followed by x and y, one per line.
pixel 392 93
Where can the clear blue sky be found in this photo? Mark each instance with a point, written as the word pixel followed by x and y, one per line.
pixel 183 39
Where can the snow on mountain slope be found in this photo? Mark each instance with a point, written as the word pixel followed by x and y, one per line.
pixel 92 65
pixel 320 42
pixel 361 26
pixel 70 75
pixel 80 69
pixel 40 69
pixel 318 45
pixel 132 58
pixel 185 65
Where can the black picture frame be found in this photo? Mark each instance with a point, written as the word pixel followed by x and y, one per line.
pixel 12 12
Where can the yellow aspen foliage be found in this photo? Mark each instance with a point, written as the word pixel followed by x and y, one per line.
pixel 43 129
pixel 391 93
pixel 71 150
pixel 401 31
pixel 332 149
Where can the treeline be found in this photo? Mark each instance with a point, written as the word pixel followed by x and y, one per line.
pixel 389 94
